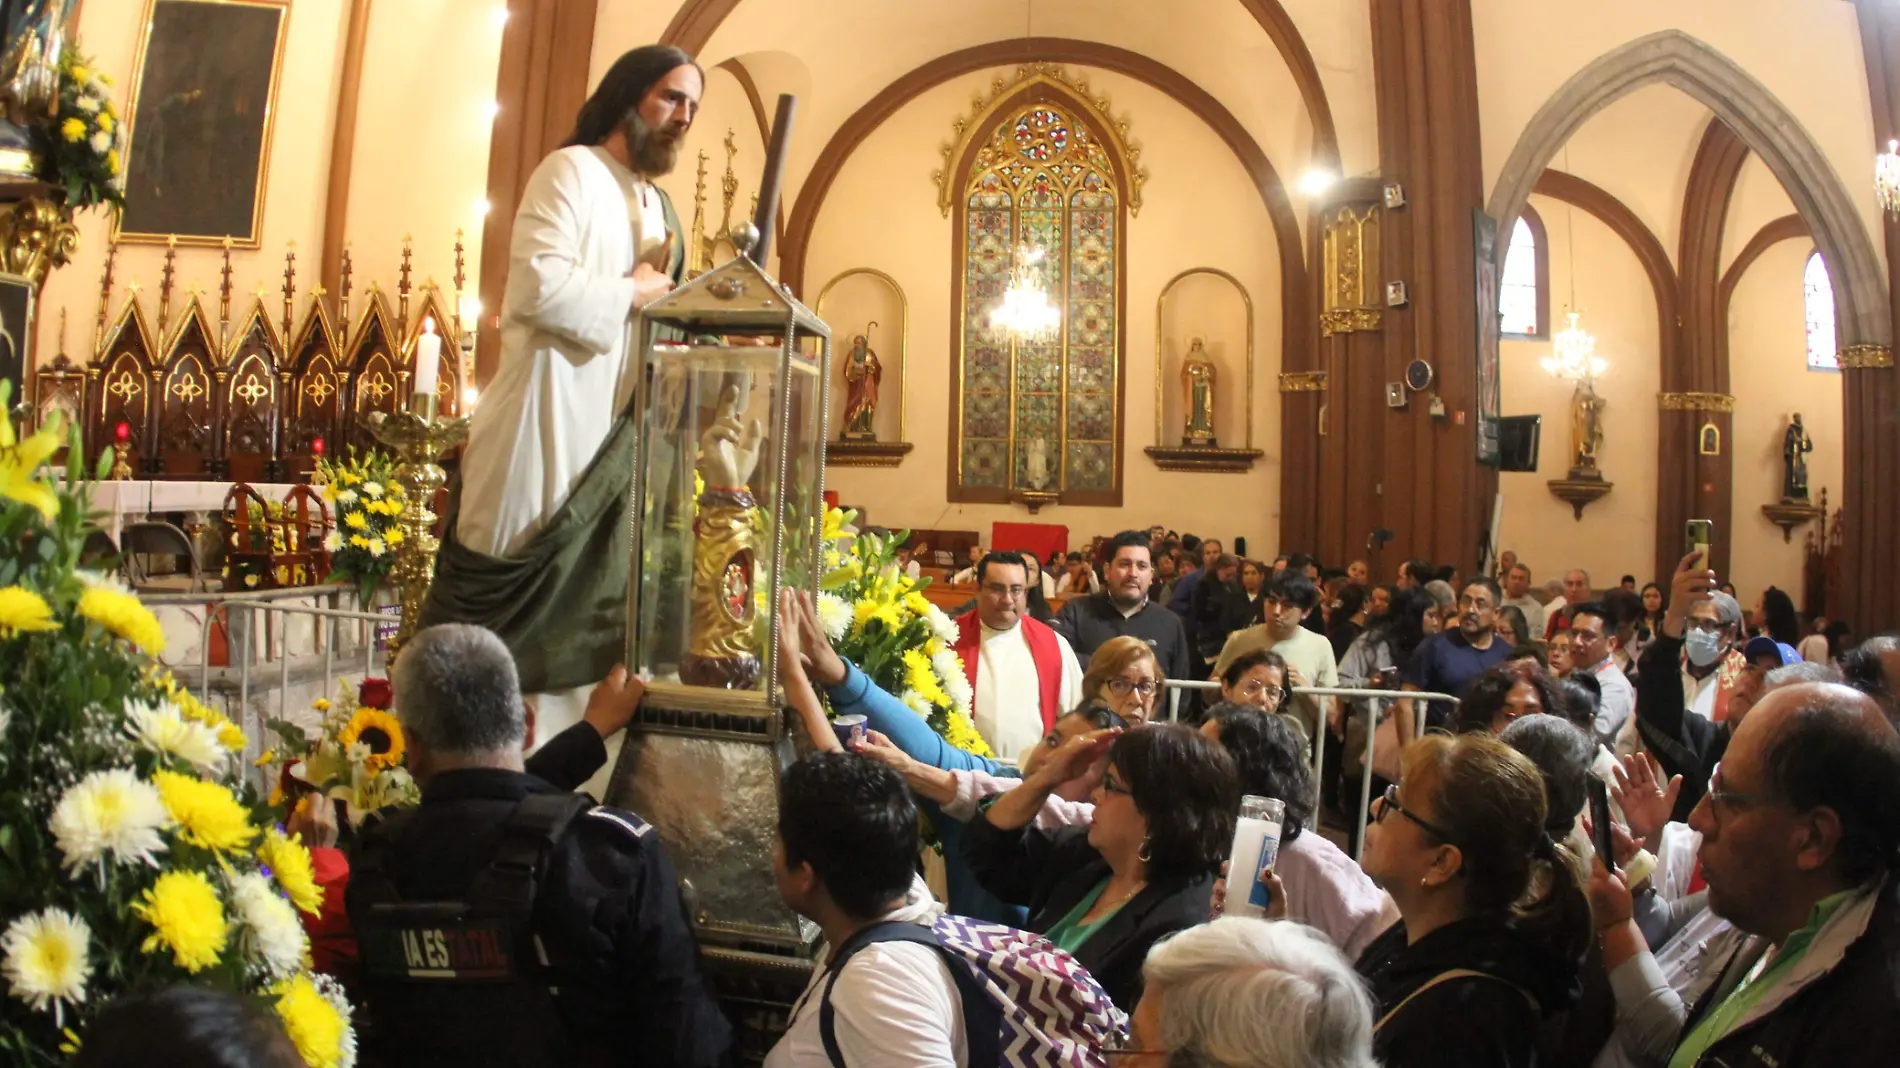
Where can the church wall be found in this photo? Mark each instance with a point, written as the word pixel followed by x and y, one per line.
pixel 1770 379
pixel 1199 209
pixel 419 165
pixel 1640 150
pixel 1807 54
pixel 1616 535
pixel 297 175
pixel 1758 201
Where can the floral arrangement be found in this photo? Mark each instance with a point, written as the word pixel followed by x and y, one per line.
pixel 85 139
pixel 877 617
pixel 356 755
pixel 368 503
pixel 266 534
pixel 132 854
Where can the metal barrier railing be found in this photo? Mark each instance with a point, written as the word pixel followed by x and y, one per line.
pixel 328 635
pixel 1176 687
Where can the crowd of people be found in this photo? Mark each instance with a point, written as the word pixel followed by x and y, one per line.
pixel 1747 912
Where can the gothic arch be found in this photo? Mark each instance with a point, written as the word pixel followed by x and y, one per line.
pixel 1762 121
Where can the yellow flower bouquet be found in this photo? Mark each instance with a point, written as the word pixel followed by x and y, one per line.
pixel 133 854
pixel 84 140
pixel 366 503
pixel 355 755
pixel 878 618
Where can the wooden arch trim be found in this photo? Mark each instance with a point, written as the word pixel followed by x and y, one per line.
pixel 1711 188
pixel 737 68
pixel 1613 213
pixel 837 152
pixel 693 25
pixel 1786 228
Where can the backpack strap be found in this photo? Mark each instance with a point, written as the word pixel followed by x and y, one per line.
pixel 369 862
pixel 982 1017
pixel 508 883
pixel 1448 976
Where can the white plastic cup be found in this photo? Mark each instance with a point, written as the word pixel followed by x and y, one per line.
pixel 1256 846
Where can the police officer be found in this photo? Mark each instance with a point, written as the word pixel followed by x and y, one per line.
pixel 504 921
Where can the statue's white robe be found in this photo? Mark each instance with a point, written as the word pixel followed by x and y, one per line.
pixel 568 358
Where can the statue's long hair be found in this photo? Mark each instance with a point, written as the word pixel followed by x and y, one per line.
pixel 621 90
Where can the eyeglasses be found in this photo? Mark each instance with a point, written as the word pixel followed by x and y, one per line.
pixel 1732 800
pixel 1117 1045
pixel 1123 687
pixel 1390 803
pixel 1256 688
pixel 998 590
pixel 1706 626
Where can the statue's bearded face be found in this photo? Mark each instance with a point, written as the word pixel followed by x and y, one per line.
pixel 657 128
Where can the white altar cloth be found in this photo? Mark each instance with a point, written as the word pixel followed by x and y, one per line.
pixel 119 500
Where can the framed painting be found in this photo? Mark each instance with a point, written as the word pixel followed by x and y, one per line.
pixel 198 148
pixel 16 339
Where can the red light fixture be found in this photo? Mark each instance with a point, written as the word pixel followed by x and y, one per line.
pixel 316 446
pixel 122 433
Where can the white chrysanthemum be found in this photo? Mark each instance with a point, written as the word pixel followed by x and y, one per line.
pixel 941 625
pixel 372 489
pixel 112 811
pixel 333 542
pixel 87 104
pixel 100 580
pixel 376 547
pixel 834 615
pixel 163 730
pixel 347 496
pixel 955 683
pixel 46 960
pixel 915 702
pixel 333 993
pixel 273 937
pixel 101 142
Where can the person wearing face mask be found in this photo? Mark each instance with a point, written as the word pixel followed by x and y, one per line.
pixel 1701 630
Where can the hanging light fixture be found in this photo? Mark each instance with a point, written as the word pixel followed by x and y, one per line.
pixel 1887 178
pixel 1573 351
pixel 1026 312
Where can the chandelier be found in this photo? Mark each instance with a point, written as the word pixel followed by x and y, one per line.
pixel 1887 178
pixel 1573 353
pixel 1026 312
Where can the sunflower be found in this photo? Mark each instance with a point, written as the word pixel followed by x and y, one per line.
pixel 379 731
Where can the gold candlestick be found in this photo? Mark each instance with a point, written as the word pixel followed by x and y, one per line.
pixel 419 439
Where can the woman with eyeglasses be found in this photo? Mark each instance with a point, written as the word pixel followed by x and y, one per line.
pixel 1124 675
pixel 1257 679
pixel 1142 869
pixel 1493 918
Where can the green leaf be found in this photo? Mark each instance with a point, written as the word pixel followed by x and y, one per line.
pixel 103 470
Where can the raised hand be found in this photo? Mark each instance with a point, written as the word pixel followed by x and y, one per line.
pixel 1074 757
pixel 1647 802
pixel 614 701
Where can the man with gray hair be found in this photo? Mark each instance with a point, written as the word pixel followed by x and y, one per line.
pixel 505 920
pixel 1245 993
pixel 1694 684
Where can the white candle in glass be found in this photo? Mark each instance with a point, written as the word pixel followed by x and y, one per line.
pixel 428 359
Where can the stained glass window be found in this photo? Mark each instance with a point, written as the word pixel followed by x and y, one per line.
pixel 1517 295
pixel 1818 294
pixel 1041 413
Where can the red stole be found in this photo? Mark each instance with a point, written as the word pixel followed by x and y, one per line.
pixel 1042 649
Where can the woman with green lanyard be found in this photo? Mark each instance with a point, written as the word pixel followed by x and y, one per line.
pixel 1164 818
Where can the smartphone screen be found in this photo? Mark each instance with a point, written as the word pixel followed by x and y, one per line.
pixel 1600 822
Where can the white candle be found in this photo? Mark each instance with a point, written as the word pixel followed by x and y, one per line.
pixel 428 359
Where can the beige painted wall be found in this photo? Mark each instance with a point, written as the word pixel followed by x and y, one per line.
pixel 1616 535
pixel 1769 376
pixel 1200 209
pixel 420 164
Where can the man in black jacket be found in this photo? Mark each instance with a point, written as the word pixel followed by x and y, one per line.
pixel 1123 608
pixel 479 947
pixel 1800 845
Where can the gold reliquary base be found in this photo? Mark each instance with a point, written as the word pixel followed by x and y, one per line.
pixel 1203 458
pixel 866 453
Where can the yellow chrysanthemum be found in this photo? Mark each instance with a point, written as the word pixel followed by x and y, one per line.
pixel 289 863
pixel 186 918
pixel 123 615
pixel 917 603
pixel 73 129
pixel 321 704
pixel 112 162
pixel 359 541
pixel 208 815
pixel 962 734
pixel 356 521
pixel 922 678
pixel 862 613
pixel 379 731
pixel 106 122
pixel 23 610
pixel 393 536
pixel 20 463
pixel 314 1025
pixel 81 73
pixel 933 645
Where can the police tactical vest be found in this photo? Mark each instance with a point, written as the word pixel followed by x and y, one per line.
pixel 465 982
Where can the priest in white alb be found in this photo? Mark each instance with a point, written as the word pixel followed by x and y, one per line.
pixel 1023 674
pixel 535 546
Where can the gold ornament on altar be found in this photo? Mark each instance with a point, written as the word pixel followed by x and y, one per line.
pixel 419 438
pixel 1198 376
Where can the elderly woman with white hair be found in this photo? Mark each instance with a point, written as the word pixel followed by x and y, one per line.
pixel 1244 993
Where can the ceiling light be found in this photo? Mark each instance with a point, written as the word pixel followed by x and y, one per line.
pixel 1317 180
